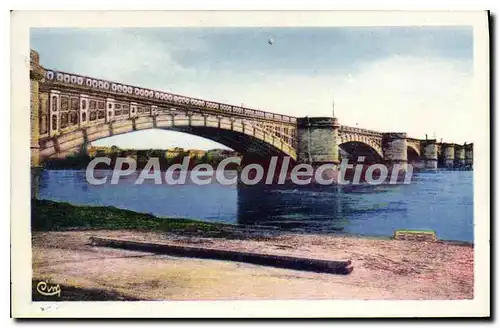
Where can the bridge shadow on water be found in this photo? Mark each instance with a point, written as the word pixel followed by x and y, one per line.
pixel 311 208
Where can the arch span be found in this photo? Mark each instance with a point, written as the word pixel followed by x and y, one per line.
pixel 241 135
pixel 354 149
pixel 373 142
pixel 412 153
pixel 413 148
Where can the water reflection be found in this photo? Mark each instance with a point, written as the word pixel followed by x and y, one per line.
pixel 292 207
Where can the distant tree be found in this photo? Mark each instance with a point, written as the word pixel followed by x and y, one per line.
pixel 205 158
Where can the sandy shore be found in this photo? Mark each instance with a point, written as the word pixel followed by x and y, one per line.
pixel 383 269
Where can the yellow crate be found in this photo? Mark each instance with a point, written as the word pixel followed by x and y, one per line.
pixel 417 235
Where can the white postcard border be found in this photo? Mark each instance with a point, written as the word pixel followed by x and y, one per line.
pixel 20 164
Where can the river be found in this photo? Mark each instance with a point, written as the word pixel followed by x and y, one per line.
pixel 440 201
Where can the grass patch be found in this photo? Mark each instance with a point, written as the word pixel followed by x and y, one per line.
pixel 54 216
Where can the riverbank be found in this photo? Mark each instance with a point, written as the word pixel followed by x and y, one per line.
pixel 383 268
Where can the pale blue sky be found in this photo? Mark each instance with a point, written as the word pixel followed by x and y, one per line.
pixel 388 79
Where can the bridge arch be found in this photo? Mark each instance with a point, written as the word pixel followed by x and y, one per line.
pixel 243 136
pixel 353 149
pixel 413 148
pixel 412 153
pixel 356 144
pixel 362 139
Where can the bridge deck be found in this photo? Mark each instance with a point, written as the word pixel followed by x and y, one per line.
pixel 59 78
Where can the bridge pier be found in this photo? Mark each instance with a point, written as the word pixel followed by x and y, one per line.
pixel 394 147
pixel 430 154
pixel 317 140
pixel 469 155
pixel 459 156
pixel 36 172
pixel 317 143
pixel 37 73
pixel 448 155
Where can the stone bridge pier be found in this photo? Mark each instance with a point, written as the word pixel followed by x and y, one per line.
pixel 37 74
pixel 394 147
pixel 469 154
pixel 430 154
pixel 317 139
pixel 459 156
pixel 448 155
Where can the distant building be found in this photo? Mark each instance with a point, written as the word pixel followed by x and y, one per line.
pixel 93 151
pixel 222 153
pixel 196 153
pixel 173 152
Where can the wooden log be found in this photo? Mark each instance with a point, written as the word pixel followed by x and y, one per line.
pixel 278 261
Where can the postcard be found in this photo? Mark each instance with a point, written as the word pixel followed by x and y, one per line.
pixel 250 164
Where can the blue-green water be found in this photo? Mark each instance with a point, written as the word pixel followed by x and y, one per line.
pixel 440 201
